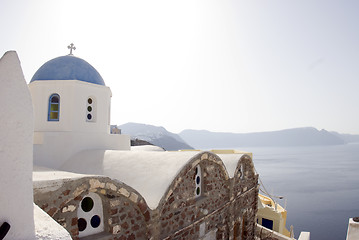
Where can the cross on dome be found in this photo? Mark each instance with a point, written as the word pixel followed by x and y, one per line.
pixel 71 47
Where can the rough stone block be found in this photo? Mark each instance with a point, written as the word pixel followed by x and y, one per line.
pixel 124 192
pixel 111 186
pixel 69 208
pixel 134 197
pixel 95 183
pixel 116 229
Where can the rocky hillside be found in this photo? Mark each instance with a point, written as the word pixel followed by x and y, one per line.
pixel 158 136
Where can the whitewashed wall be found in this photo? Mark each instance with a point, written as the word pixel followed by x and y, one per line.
pixel 16 149
pixel 353 229
pixel 73 104
pixel 53 149
pixel 57 141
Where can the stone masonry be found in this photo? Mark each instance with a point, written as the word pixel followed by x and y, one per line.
pixel 225 209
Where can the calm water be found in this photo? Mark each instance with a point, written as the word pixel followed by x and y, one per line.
pixel 321 185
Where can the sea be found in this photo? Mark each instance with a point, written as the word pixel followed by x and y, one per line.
pixel 320 186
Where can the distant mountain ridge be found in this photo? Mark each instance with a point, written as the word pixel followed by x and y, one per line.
pixel 158 136
pixel 308 136
pixel 203 139
pixel 349 138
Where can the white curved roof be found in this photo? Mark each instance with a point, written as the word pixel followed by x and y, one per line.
pixel 149 172
pixel 45 179
pixel 230 162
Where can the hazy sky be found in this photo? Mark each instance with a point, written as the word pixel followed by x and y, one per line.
pixel 239 66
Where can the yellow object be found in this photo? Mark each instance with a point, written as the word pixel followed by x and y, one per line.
pixel 272 215
pixel 231 151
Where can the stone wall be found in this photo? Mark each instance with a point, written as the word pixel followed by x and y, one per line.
pixel 245 195
pixel 182 212
pixel 225 204
pixel 225 209
pixel 125 212
pixel 245 176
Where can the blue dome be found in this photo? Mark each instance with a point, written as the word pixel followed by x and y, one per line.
pixel 68 68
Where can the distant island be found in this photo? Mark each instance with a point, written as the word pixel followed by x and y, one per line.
pixel 203 139
pixel 308 136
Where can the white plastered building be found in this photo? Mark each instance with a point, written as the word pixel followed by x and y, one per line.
pixel 72 111
pixel 85 178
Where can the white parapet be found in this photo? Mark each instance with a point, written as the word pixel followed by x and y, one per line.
pixel 263 232
pixel 46 228
pixel 353 229
pixel 304 236
pixel 16 150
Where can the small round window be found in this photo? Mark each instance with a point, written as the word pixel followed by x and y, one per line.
pixel 198 181
pixel 87 204
pixel 82 224
pixel 91 109
pixel 95 221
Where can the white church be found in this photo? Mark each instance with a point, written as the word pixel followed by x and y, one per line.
pixel 67 177
pixel 72 111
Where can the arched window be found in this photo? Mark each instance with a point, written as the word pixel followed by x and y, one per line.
pixel 54 108
pixel 90 215
pixel 198 181
pixel 91 109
